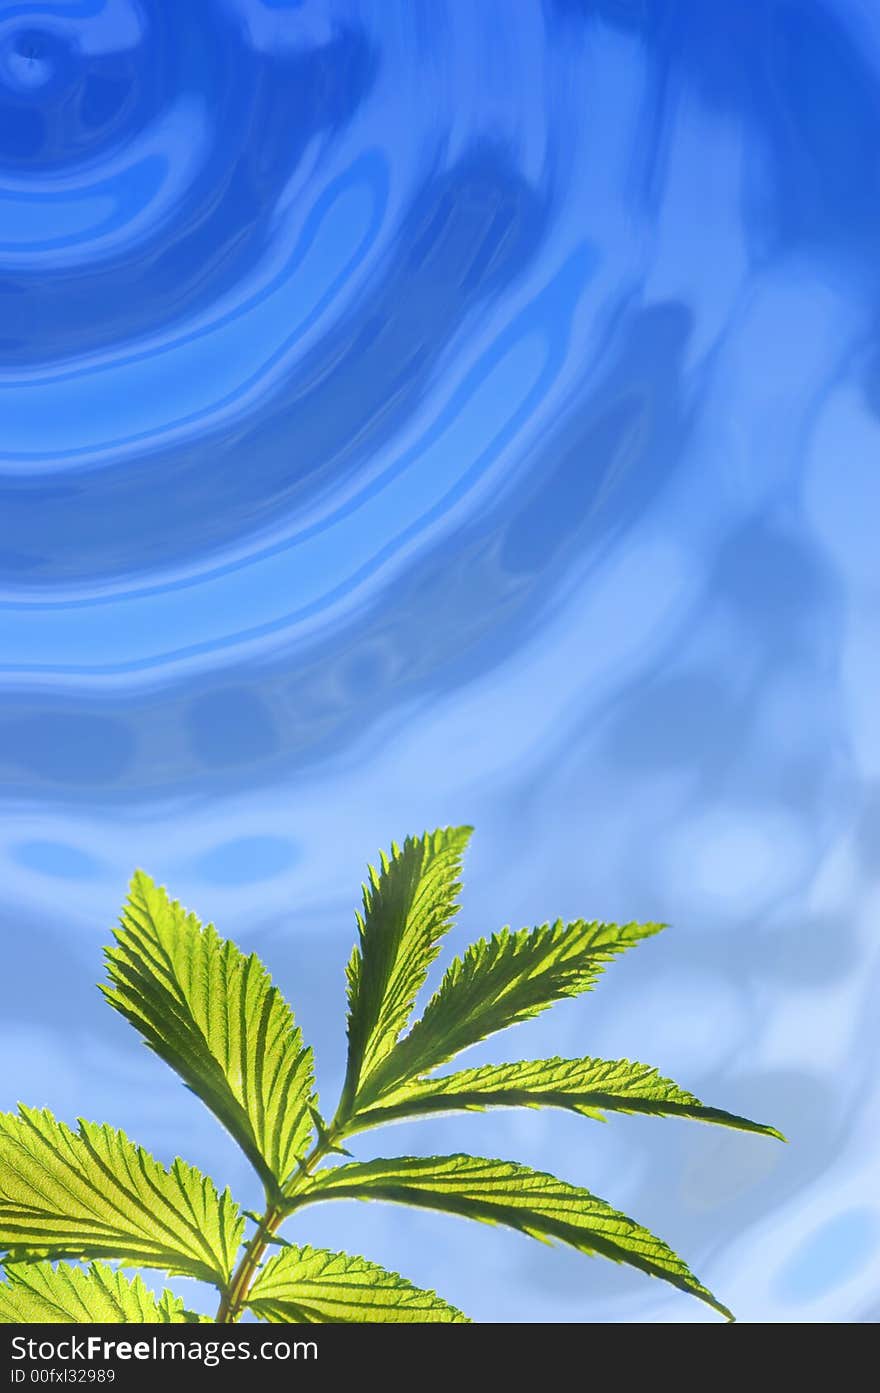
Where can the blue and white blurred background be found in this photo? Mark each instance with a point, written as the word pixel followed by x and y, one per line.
pixel 418 411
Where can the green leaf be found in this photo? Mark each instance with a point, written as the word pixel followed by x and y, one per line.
pixel 94 1194
pixel 311 1286
pixel 500 982
pixel 38 1293
pixel 408 905
pixel 215 1017
pixel 501 1192
pixel 588 1086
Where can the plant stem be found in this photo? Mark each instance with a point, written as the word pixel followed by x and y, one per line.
pixel 233 1299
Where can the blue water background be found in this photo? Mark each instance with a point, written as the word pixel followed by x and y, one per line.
pixel 425 411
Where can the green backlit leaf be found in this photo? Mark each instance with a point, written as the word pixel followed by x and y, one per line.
pixel 215 1017
pixel 38 1293
pixel 588 1086
pixel 501 981
pixel 408 905
pixel 501 1192
pixel 310 1285
pixel 94 1194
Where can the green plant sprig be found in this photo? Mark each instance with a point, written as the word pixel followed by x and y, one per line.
pixel 213 1014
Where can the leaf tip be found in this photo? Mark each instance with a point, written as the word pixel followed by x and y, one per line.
pixel 140 880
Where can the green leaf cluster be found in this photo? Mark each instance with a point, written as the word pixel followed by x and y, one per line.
pixel 92 1196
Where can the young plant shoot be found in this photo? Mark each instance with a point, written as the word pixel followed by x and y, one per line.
pixel 93 1196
